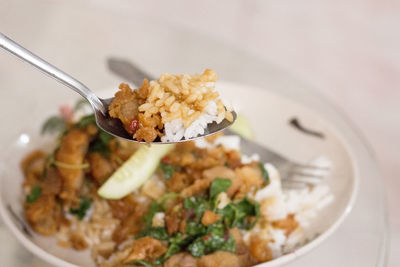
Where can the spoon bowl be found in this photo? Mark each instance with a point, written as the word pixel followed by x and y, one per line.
pixel 100 106
pixel 114 126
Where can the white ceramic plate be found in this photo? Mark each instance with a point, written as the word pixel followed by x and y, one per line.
pixel 269 115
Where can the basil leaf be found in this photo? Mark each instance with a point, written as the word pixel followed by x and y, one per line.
pixel 172 249
pixel 229 245
pixel 189 204
pixel 264 173
pixel 140 262
pixel 197 205
pixel 167 169
pixel 86 121
pixel 219 185
pixel 100 147
pixel 105 137
pixel 194 229
pixel 53 124
pixel 101 144
pixel 216 238
pixel 159 233
pixel 36 191
pixel 197 248
pixel 243 214
pixel 83 207
pixel 148 218
pixel 176 243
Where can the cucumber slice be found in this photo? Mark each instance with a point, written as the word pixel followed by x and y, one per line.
pixel 242 127
pixel 134 172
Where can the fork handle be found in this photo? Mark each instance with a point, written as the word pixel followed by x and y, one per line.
pixel 52 71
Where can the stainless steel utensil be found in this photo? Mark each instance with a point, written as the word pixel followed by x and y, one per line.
pixel 100 106
pixel 293 174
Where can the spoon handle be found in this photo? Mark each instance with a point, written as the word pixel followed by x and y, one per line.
pixel 57 74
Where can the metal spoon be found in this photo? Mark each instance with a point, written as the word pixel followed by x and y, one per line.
pixel 100 106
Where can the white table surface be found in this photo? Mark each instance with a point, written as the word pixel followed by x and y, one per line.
pixel 348 50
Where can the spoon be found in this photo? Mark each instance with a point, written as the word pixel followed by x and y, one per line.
pixel 100 106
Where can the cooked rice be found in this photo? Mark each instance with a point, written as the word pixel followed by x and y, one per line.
pixel 186 103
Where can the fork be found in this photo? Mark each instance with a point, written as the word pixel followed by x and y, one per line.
pixel 294 175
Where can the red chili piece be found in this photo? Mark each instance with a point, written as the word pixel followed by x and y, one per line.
pixel 205 238
pixel 133 125
pixel 165 160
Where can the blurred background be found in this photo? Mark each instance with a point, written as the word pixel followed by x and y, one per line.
pixel 348 50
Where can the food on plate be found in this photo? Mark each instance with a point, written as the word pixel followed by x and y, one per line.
pixel 197 203
pixel 172 108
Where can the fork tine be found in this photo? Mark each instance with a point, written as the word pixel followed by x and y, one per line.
pixel 310 166
pixel 308 174
pixel 306 180
pixel 292 184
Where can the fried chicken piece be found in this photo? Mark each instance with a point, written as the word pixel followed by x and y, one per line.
pixel 131 216
pixel 178 182
pixel 72 151
pixel 147 134
pixel 289 224
pixel 247 177
pixel 44 215
pixel 125 106
pixel 210 217
pixel 172 222
pixel 222 259
pixel 259 249
pixel 78 241
pixel 32 166
pixel 146 248
pixel 181 260
pixel 100 167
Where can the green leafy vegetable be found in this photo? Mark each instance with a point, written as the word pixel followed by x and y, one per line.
pixel 158 233
pixel 176 243
pixel 140 262
pixel 50 161
pixel 167 169
pixel 194 228
pixel 101 144
pixel 100 147
pixel 229 245
pixel 197 248
pixel 216 238
pixel 242 214
pixel 83 207
pixel 199 239
pixel 264 173
pixel 86 121
pixel 219 185
pixel 53 124
pixel 197 205
pixel 148 218
pixel 155 232
pixel 70 166
pixel 172 249
pixel 105 137
pixel 34 195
